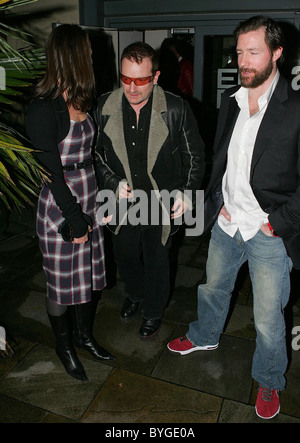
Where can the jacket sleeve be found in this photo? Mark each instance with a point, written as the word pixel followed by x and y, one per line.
pixel 283 191
pixel 107 179
pixel 42 129
pixel 285 218
pixel 192 151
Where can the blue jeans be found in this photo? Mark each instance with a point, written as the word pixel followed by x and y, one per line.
pixel 269 268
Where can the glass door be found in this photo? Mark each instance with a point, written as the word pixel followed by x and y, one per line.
pixel 219 73
pixel 220 70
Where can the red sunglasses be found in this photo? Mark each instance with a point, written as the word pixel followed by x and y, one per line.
pixel 140 81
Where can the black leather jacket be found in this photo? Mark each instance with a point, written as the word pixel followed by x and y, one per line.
pixel 175 147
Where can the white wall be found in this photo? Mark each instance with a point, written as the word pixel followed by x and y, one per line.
pixel 155 37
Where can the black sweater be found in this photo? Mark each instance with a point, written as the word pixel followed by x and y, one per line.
pixel 47 124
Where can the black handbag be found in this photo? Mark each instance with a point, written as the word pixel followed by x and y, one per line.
pixel 66 230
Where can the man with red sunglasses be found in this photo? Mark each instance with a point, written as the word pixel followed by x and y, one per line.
pixel 148 141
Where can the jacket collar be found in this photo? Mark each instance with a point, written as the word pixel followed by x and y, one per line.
pixel 158 131
pixel 271 120
pixel 114 101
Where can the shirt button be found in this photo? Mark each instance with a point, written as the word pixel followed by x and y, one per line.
pixel 133 144
pixel 132 127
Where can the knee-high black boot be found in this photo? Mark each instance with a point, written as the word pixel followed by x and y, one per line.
pixel 64 347
pixel 83 337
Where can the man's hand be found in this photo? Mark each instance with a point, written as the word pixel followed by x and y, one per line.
pixel 225 213
pixel 107 219
pixel 266 230
pixel 178 208
pixel 125 191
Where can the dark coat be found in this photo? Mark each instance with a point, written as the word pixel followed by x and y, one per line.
pixel 47 124
pixel 175 149
pixel 275 167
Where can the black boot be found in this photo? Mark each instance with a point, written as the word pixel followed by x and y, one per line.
pixel 83 338
pixel 64 347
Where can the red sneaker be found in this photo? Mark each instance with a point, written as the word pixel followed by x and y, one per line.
pixel 183 346
pixel 267 403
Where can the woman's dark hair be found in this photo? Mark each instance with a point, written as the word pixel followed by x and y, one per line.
pixel 274 35
pixel 69 68
pixel 138 51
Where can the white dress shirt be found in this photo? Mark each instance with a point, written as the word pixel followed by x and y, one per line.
pixel 239 200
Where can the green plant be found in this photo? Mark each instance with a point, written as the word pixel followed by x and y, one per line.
pixel 20 173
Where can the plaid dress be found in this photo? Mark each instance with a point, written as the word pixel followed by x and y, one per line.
pixel 72 270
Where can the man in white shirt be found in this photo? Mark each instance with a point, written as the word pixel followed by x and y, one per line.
pixel 253 198
pixel 239 200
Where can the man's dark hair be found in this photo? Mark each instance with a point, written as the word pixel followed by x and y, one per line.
pixel 138 51
pixel 274 35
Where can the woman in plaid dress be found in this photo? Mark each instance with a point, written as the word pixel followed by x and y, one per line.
pixel 61 129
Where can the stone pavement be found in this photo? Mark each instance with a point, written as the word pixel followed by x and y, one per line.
pixel 146 383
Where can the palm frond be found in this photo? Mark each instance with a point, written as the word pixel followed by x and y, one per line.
pixel 20 172
pixel 9 4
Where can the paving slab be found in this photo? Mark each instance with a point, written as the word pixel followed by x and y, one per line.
pixel 15 351
pixel 240 322
pixel 225 372
pixel 127 397
pixel 40 380
pixel 16 411
pixel 122 340
pixel 234 412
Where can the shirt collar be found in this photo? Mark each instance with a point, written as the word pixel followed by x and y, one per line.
pixel 146 108
pixel 242 94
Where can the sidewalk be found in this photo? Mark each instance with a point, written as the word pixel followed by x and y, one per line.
pixel 146 383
